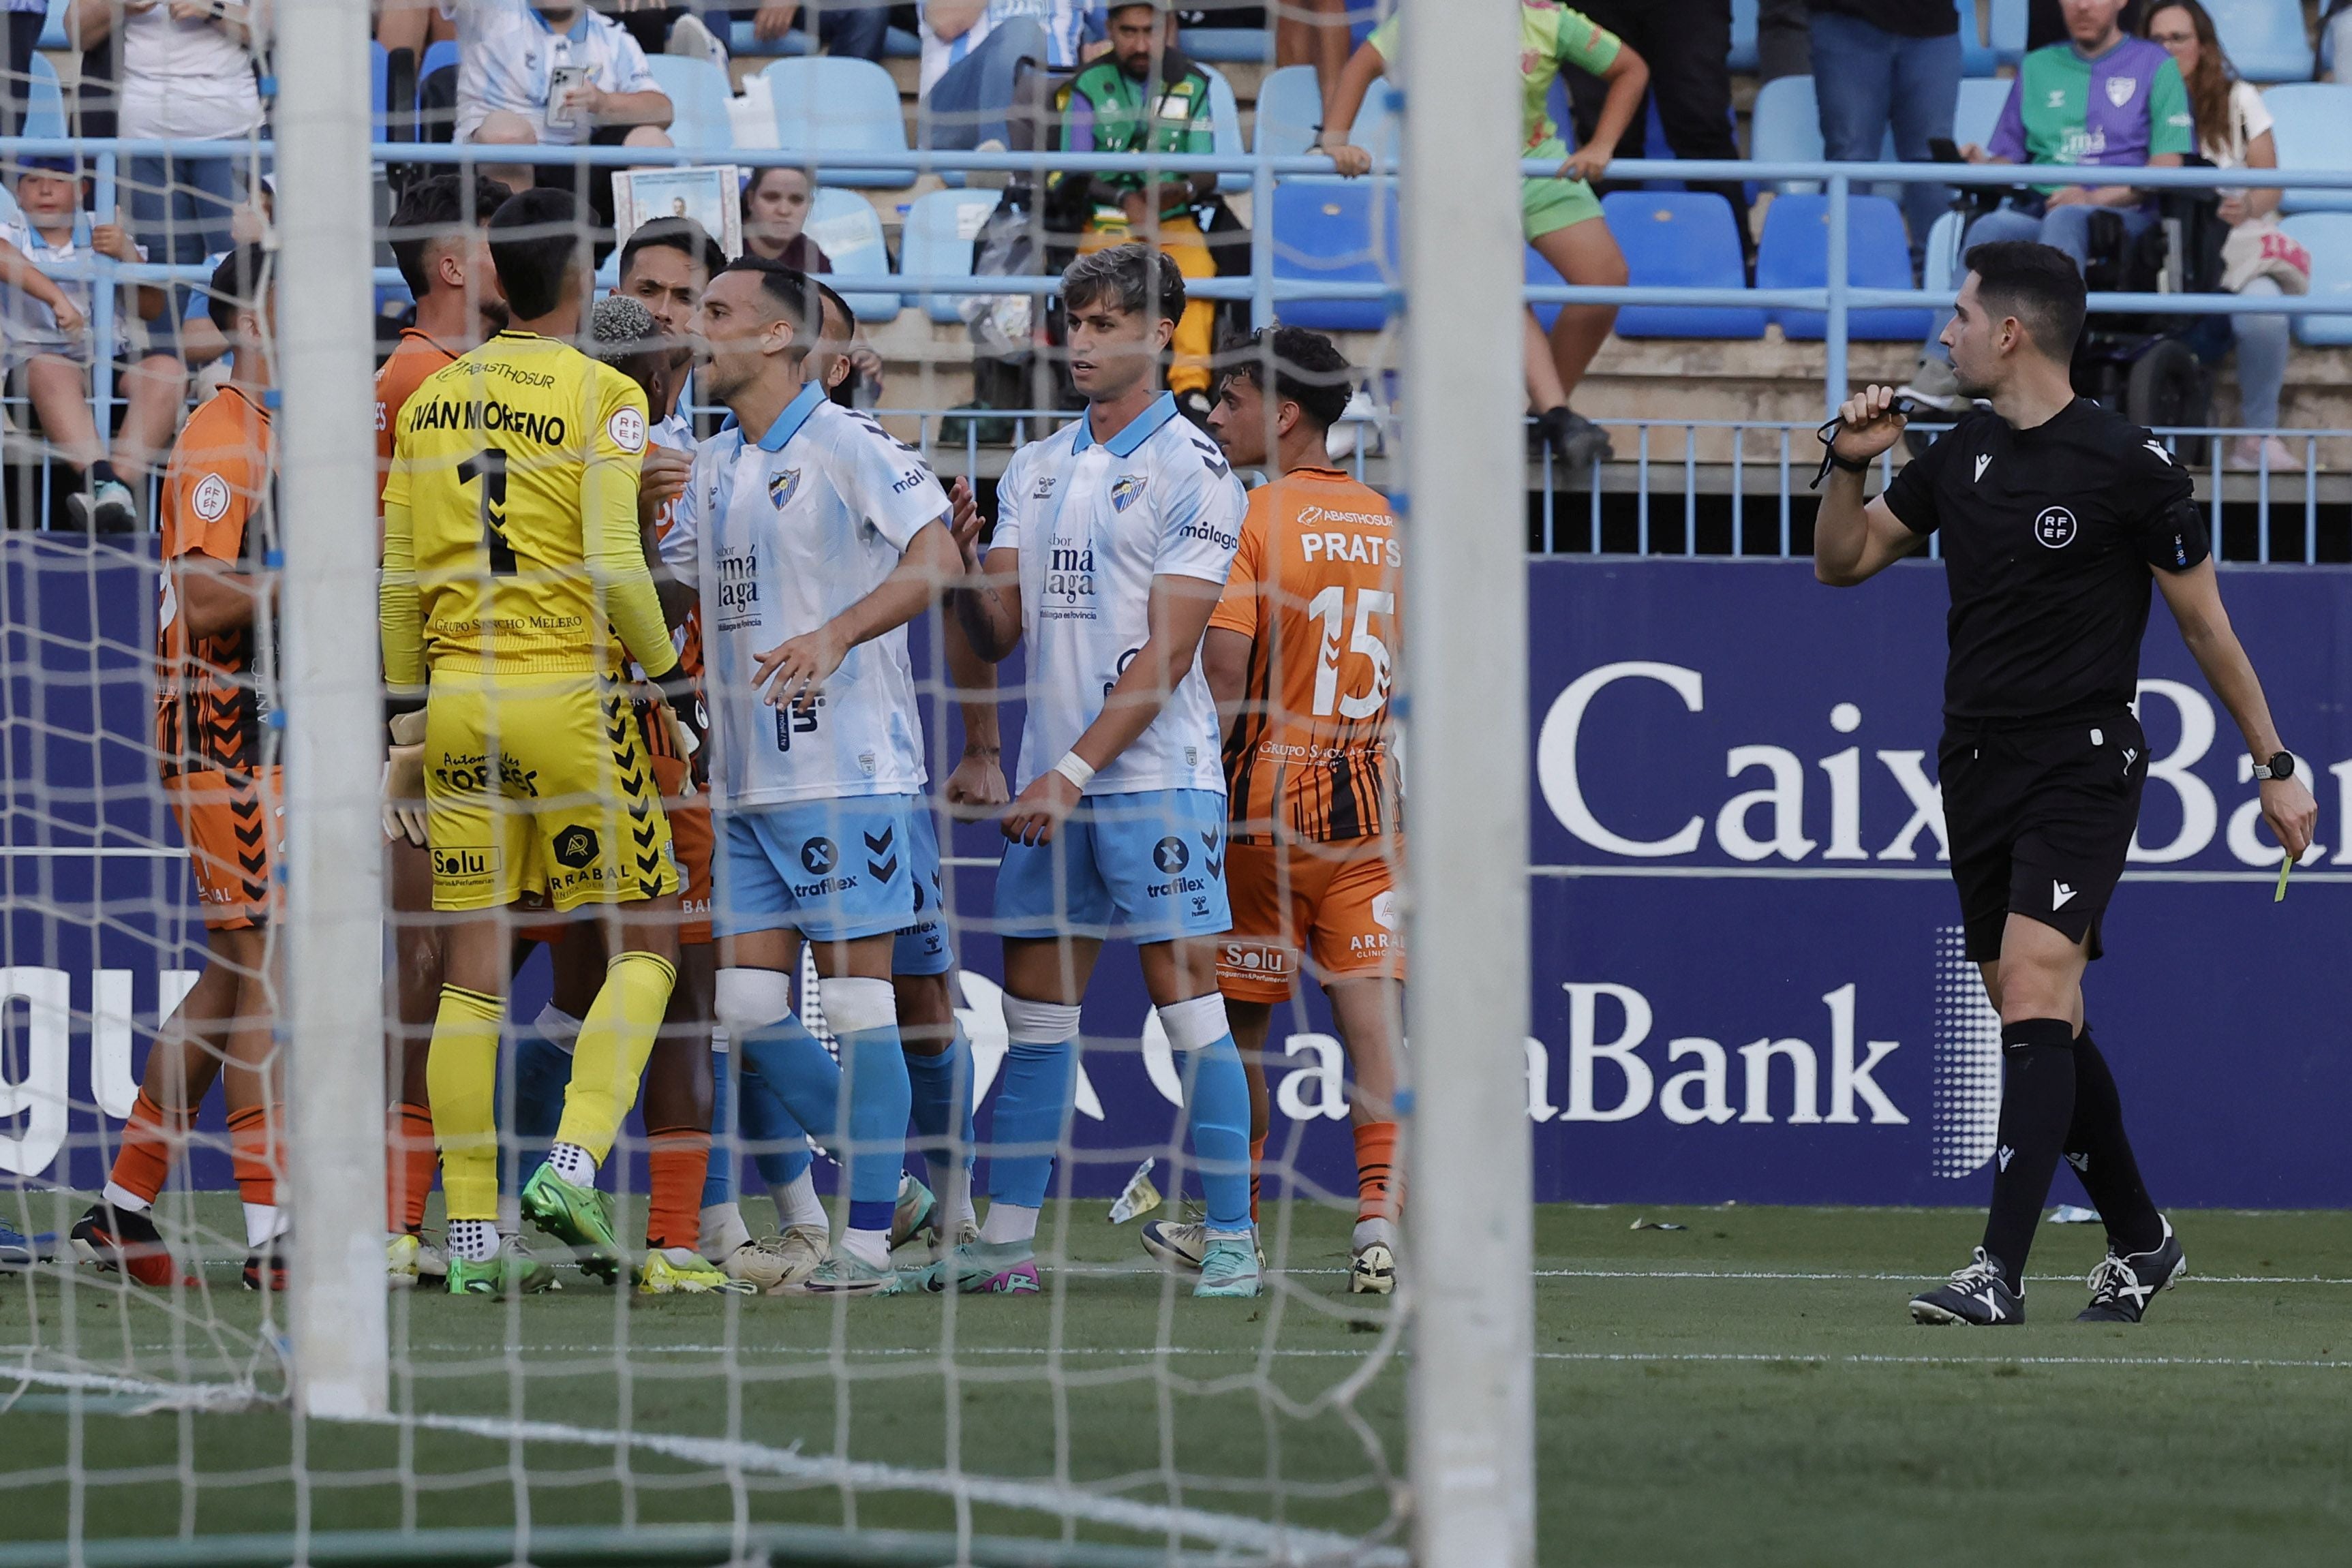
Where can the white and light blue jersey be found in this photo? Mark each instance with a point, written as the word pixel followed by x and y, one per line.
pixel 786 532
pixel 508 56
pixel 1094 522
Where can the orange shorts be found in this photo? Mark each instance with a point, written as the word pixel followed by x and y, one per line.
pixel 235 826
pixel 689 836
pixel 1336 901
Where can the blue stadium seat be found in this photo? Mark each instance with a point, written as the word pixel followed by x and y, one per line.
pixel 1981 56
pixel 1794 252
pixel 1743 59
pixel 1978 111
pixel 698 99
pixel 848 230
pixel 1940 273
pixel 937 243
pixel 1785 127
pixel 1290 110
pixel 45 103
pixel 379 87
pixel 1228 45
pixel 2263 38
pixel 436 55
pixel 1226 120
pixel 1324 231
pixel 2328 237
pixel 52 29
pixel 832 108
pixel 2311 121
pixel 1685 239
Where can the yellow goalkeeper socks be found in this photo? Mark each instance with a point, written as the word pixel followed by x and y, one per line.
pixel 461 1074
pixel 616 1040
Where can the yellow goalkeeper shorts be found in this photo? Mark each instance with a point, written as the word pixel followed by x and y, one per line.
pixel 539 785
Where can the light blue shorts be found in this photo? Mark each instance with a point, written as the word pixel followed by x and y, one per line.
pixel 927 946
pixel 1155 859
pixel 833 870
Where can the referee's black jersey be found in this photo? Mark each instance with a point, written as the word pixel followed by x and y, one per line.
pixel 2049 534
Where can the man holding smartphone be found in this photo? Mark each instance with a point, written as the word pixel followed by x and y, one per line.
pixel 552 73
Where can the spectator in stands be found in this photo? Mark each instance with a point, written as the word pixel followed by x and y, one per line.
pixel 1560 216
pixel 776 202
pixel 1687 44
pixel 856 27
pixel 551 73
pixel 978 58
pixel 1783 40
pixel 1145 95
pixel 48 345
pixel 2233 131
pixel 2102 98
pixel 1881 63
pixel 2335 62
pixel 185 72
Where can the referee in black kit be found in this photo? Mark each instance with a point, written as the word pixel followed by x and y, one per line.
pixel 2055 512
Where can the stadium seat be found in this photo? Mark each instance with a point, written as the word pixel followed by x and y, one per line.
pixel 937 243
pixel 1225 121
pixel 1794 254
pixel 2310 125
pixel 834 108
pixel 52 29
pixel 1786 128
pixel 1323 231
pixel 1743 58
pixel 1940 273
pixel 847 229
pixel 1228 45
pixel 1290 113
pixel 379 89
pixel 1978 111
pixel 698 97
pixel 2328 237
pixel 45 103
pixel 2263 38
pixel 1685 239
pixel 1980 56
pixel 436 57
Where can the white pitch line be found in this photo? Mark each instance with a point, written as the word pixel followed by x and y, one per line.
pixel 1857 1360
pixel 1923 1274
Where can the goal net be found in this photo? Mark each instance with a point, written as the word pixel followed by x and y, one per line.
pixel 229 1116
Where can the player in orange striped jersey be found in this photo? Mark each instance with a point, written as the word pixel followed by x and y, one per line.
pixel 216 672
pixel 1301 654
pixel 440 239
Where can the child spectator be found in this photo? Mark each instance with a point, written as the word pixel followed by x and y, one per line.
pixel 48 348
pixel 775 218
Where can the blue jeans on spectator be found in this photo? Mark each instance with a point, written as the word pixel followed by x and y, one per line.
pixel 180 211
pixel 2066 228
pixel 2262 360
pixel 856 27
pixel 1867 79
pixel 973 102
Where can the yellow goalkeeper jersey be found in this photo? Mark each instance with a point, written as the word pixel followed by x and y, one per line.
pixel 510 518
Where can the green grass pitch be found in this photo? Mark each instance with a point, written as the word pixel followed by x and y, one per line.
pixel 1744 1389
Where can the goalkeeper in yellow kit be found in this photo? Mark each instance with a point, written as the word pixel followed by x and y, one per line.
pixel 510 545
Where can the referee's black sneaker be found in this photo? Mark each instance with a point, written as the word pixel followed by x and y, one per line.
pixel 1575 441
pixel 2124 1283
pixel 1977 1295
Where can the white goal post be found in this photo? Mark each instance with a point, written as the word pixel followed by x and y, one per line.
pixel 333 1010
pixel 1472 1398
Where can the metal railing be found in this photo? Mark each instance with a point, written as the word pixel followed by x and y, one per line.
pixel 1265 292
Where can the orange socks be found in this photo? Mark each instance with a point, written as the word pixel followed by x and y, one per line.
pixel 678 1158
pixel 408 1138
pixel 253 1156
pixel 150 1139
pixel 1257 1158
pixel 1379 1194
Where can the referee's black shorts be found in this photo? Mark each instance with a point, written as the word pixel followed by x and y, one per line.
pixel 2040 817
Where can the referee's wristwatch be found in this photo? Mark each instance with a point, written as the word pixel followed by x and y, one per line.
pixel 2281 766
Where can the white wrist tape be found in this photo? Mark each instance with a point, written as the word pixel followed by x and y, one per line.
pixel 1074 769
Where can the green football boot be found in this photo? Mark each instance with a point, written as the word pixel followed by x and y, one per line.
pixel 579 1217
pixel 1228 1267
pixel 512 1271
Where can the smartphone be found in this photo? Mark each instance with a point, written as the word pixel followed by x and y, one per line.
pixel 1944 150
pixel 560 83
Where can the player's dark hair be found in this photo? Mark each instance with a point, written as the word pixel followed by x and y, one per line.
pixel 238 283
pixel 537 239
pixel 1307 370
pixel 2038 284
pixel 792 292
pixel 846 393
pixel 1134 277
pixel 435 210
pixel 683 235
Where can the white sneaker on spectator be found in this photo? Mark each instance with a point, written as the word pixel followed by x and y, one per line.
pixel 689 37
pixel 1933 385
pixel 2256 452
pixel 107 508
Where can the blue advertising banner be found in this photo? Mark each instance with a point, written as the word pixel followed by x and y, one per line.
pixel 1748 978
